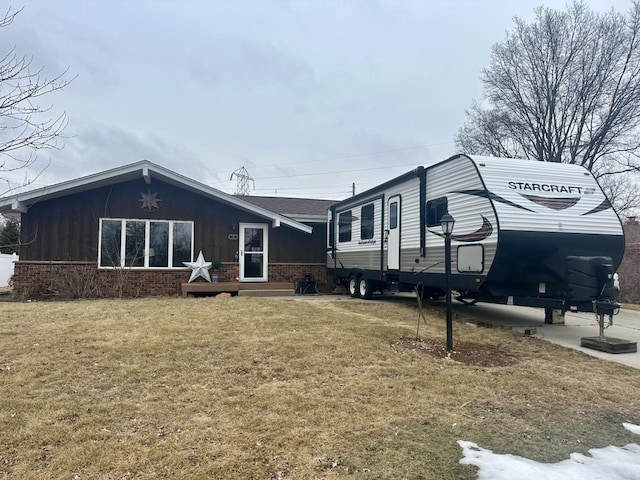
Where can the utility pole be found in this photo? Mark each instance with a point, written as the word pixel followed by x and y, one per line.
pixel 242 187
pixel 353 189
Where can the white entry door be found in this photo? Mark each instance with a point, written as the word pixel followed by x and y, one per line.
pixel 393 235
pixel 254 252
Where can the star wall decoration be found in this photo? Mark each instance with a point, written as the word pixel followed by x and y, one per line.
pixel 149 201
pixel 200 268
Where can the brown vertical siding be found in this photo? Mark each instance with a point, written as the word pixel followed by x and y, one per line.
pixel 66 228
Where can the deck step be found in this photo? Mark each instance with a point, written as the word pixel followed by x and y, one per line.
pixel 234 287
pixel 267 293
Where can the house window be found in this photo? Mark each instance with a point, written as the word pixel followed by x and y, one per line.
pixel 366 222
pixel 182 243
pixel 344 226
pixel 436 208
pixel 144 243
pixel 134 243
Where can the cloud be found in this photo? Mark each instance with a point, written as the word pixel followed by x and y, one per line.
pixel 242 64
pixel 95 146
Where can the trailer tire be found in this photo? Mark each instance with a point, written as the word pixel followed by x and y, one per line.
pixel 365 288
pixel 353 287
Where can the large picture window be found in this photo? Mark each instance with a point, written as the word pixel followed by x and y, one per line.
pixel 144 243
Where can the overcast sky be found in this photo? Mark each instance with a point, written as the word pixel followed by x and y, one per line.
pixel 309 96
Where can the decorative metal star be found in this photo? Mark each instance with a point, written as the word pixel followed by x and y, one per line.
pixel 200 268
pixel 150 201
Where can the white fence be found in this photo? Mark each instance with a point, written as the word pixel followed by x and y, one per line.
pixel 6 267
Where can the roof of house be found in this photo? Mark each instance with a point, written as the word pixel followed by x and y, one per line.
pixel 148 171
pixel 301 209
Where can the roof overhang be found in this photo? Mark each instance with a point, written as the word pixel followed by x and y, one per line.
pixel 307 218
pixel 20 202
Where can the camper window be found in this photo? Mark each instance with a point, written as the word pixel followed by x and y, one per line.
pixel 393 216
pixel 436 208
pixel 344 227
pixel 366 222
pixel 331 234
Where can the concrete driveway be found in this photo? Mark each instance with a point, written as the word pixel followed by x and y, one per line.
pixel 626 325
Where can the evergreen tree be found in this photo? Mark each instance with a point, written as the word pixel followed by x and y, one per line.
pixel 10 238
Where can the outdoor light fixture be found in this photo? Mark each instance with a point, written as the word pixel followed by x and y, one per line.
pixel 447 222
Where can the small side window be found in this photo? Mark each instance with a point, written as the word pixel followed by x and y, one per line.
pixel 344 226
pixel 436 208
pixel 366 222
pixel 393 216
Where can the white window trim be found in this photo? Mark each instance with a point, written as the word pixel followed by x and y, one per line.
pixel 147 231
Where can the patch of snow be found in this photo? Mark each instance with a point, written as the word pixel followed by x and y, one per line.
pixel 632 428
pixel 608 463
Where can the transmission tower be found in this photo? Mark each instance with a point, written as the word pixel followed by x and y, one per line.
pixel 243 177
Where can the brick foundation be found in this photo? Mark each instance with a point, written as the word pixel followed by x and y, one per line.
pixel 85 280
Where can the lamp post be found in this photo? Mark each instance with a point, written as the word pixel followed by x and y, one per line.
pixel 447 222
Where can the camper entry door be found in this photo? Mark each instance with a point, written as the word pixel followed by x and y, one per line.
pixel 393 233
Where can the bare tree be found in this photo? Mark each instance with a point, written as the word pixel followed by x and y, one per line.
pixel 25 124
pixel 564 88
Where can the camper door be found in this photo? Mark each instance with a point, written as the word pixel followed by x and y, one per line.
pixel 393 233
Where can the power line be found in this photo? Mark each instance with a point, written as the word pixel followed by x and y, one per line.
pixel 355 155
pixel 333 173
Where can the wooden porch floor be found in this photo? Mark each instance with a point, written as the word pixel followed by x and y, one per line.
pixel 254 289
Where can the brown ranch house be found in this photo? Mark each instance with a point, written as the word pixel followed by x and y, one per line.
pixel 127 231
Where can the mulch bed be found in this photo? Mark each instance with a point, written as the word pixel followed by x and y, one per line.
pixel 469 353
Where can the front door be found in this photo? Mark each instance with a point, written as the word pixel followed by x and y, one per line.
pixel 254 252
pixel 393 233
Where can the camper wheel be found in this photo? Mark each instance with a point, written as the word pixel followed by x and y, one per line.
pixel 353 286
pixel 365 288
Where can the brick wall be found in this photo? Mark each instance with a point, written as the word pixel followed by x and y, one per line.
pixel 629 270
pixel 85 280
pixel 290 272
pixel 629 273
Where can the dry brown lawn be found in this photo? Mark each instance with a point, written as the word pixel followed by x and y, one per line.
pixel 244 388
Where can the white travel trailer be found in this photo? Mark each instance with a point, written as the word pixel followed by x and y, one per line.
pixel 526 232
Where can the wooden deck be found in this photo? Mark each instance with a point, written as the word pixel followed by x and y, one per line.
pixel 255 289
